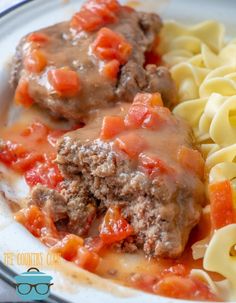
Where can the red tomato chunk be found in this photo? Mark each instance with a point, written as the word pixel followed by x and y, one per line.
pixel 35 61
pixel 87 259
pixel 148 99
pixel 68 246
pixel 183 288
pixel 94 244
pixel 136 115
pixel 111 69
pixel 64 81
pixel 153 165
pixel 95 14
pixel 110 45
pixel 22 95
pixel 112 126
pixel 46 173
pixel 147 111
pixel 18 158
pixel 114 227
pixel 71 249
pixel 174 282
pixel 35 160
pixel 38 223
pixel 38 37
pixel 132 144
pixel 221 202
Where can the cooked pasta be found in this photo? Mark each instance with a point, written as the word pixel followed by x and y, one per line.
pixel 203 65
pixel 219 258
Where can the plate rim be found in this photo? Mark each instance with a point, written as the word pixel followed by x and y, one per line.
pixel 13 7
pixel 6 273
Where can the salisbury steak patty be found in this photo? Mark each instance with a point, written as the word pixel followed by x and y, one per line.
pixel 68 47
pixel 72 210
pixel 161 204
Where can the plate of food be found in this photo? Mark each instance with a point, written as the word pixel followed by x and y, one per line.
pixel 118 148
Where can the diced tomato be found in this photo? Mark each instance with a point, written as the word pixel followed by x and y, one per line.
pixel 46 173
pixel 86 20
pixel 64 81
pixel 110 45
pixel 10 152
pixel 183 288
pixel 152 121
pixel 191 159
pixel 136 115
pixel 147 111
pixel 94 14
pixel 22 95
pixel 68 246
pixel 153 165
pixel 38 37
pixel 35 61
pixel 38 223
pixel 106 9
pixel 175 287
pixel 27 162
pixel 221 201
pixel 148 99
pixel 35 156
pixel 112 5
pixel 86 259
pixel 32 218
pixel 111 69
pixel 132 144
pixel 114 227
pixel 111 126
pixel 94 244
pixel 18 158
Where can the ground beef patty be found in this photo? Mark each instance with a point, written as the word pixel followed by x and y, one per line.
pixel 67 49
pixel 161 213
pixel 162 208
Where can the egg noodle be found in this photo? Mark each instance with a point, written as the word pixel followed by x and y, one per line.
pixel 203 65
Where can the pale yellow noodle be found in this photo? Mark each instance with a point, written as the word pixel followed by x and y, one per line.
pixel 203 66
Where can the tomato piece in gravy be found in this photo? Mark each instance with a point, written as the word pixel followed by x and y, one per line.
pixel 114 227
pixel 32 152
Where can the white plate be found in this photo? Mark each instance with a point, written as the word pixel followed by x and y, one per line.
pixel 20 20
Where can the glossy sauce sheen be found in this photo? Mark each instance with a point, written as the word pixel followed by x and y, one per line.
pixel 116 266
pixel 65 48
pixel 68 56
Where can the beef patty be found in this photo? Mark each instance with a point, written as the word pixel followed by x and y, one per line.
pixel 162 205
pixel 68 49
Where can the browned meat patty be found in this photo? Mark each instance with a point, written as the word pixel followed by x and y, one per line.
pixel 65 49
pixel 162 209
pixel 75 204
